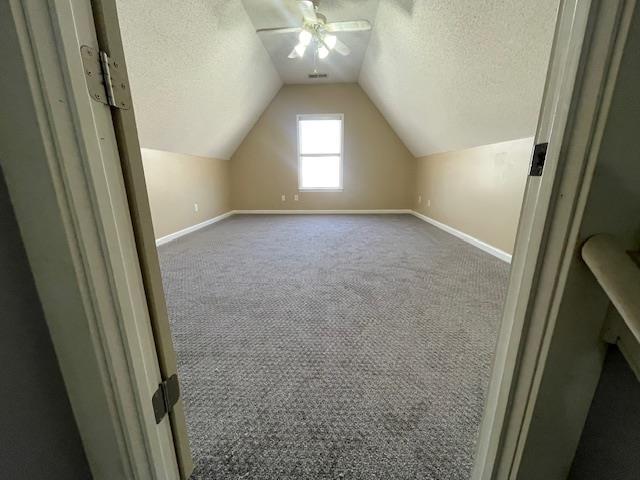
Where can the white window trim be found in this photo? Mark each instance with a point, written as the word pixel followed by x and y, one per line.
pixel 320 116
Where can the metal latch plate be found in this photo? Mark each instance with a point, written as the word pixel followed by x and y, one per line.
pixel 539 157
pixel 165 397
pixel 106 79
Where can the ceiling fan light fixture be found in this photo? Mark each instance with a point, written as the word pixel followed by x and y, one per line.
pixel 305 37
pixel 330 41
pixel 323 52
pixel 316 33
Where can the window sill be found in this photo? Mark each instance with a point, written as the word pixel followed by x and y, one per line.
pixel 320 189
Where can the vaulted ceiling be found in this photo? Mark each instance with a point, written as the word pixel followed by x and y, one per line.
pixel 455 74
pixel 200 77
pixel 446 74
pixel 286 13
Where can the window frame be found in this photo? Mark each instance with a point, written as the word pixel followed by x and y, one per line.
pixel 320 116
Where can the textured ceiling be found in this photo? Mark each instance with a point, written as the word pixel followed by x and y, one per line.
pixel 450 75
pixel 285 13
pixel 200 77
pixel 446 74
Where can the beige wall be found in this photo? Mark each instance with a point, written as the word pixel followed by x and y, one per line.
pixel 176 182
pixel 478 191
pixel 378 168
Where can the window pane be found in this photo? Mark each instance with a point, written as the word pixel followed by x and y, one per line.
pixel 320 136
pixel 320 172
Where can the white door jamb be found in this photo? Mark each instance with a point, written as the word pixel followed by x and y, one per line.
pixel 589 40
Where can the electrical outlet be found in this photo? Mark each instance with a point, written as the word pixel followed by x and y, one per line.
pixel 283 198
pixel 195 207
pixel 295 197
pixel 428 203
pixel 419 198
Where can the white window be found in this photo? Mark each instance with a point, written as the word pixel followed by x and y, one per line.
pixel 320 152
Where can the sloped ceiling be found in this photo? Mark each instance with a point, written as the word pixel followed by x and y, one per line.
pixel 446 74
pixel 286 13
pixel 200 77
pixel 454 74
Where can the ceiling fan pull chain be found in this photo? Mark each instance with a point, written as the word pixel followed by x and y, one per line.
pixel 315 60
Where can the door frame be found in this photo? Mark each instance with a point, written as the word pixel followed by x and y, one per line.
pixel 84 245
pixel 60 158
pixel 107 25
pixel 589 41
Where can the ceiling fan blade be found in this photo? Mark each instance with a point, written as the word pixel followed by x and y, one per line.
pixel 341 48
pixel 279 30
pixel 293 54
pixel 308 11
pixel 351 26
pixel 298 51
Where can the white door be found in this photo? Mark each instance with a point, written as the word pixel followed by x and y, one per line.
pixel 70 162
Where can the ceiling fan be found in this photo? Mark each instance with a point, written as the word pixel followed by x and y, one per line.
pixel 316 30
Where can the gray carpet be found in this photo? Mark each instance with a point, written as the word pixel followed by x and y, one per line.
pixel 610 441
pixel 332 347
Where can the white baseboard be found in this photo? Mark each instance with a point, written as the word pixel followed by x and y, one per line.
pixel 185 231
pixel 193 228
pixel 496 252
pixel 321 212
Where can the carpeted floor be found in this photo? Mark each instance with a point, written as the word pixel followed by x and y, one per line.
pixel 610 443
pixel 332 347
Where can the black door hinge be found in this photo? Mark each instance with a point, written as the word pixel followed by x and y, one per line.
pixel 165 397
pixel 537 162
